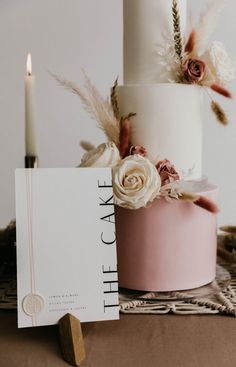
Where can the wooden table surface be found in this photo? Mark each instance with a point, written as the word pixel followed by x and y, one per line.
pixel 134 340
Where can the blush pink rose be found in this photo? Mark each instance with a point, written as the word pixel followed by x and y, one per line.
pixel 167 172
pixel 194 70
pixel 138 149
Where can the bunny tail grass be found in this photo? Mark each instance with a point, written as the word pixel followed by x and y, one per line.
pixel 207 204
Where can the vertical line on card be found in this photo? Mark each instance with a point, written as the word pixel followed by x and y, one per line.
pixel 29 234
pixel 32 235
pixel 29 192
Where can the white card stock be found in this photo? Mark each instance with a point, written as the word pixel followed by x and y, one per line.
pixel 66 247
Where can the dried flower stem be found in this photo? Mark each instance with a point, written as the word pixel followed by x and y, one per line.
pixel 200 201
pixel 125 131
pixel 217 109
pixel 190 45
pixel 219 113
pixel 221 90
pixel 86 145
pixel 114 100
pixel 178 42
pixel 228 229
pixel 207 204
pixel 188 196
pixel 8 235
pixel 129 116
pixel 124 137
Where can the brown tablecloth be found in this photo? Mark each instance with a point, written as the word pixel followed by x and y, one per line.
pixel 135 340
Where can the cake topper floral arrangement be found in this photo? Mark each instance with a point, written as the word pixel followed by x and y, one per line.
pixel 136 180
pixel 196 61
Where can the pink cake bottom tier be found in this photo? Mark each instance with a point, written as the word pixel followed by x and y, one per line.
pixel 168 246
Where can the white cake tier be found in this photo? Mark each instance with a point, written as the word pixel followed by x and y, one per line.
pixel 168 123
pixel 146 25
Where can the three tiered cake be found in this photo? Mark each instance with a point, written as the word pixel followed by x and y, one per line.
pixel 171 245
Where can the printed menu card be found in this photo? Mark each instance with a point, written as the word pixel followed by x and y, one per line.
pixel 66 245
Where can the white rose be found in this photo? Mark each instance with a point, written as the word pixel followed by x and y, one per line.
pixel 105 155
pixel 221 69
pixel 135 182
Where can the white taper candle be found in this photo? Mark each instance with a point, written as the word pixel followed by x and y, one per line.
pixel 30 132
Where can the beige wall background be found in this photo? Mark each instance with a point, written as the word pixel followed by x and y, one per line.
pixel 64 36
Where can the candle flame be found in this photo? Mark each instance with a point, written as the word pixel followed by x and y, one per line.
pixel 29 65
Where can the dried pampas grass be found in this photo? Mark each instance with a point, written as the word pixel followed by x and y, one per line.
pixel 207 24
pixel 99 108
